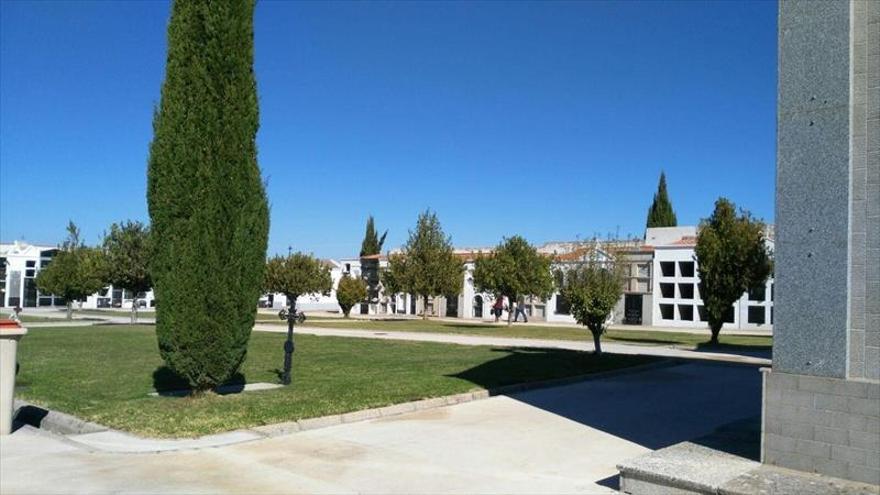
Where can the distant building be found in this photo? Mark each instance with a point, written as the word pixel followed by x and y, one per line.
pixel 662 286
pixel 677 298
pixel 19 264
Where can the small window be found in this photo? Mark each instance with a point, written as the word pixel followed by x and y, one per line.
pixel 728 316
pixel 348 267
pixel 686 268
pixel 667 291
pixel 701 311
pixel 686 291
pixel 771 315
pixel 686 312
pixel 31 264
pixel 772 290
pixel 563 307
pixel 756 315
pixel 757 294
pixel 29 273
pixel 667 311
pixel 667 268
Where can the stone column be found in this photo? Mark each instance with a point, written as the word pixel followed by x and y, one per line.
pixel 822 397
pixel 10 334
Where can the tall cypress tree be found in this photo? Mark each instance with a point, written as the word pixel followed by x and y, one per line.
pixel 660 214
pixel 372 243
pixel 208 208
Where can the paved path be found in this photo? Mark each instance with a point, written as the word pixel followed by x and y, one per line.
pixel 560 440
pixel 521 342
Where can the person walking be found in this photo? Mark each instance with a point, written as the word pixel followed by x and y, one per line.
pixel 498 307
pixel 520 310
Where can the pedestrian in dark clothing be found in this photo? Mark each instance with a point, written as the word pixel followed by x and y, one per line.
pixel 498 307
pixel 521 310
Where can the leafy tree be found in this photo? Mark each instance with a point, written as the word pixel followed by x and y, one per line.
pixel 349 292
pixel 732 258
pixel 208 209
pixel 593 288
pixel 296 275
pixel 426 266
pixel 75 273
pixel 127 249
pixel 372 243
pixel 370 249
pixel 514 269
pixel 660 214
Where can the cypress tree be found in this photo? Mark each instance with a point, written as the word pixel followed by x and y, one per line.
pixel 206 199
pixel 372 243
pixel 660 214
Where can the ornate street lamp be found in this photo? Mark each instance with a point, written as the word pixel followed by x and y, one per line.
pixel 291 316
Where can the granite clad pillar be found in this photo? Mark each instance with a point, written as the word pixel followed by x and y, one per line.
pixel 822 398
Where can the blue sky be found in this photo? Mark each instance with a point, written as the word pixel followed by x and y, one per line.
pixel 549 120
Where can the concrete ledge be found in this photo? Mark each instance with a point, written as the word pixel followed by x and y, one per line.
pixel 685 468
pixel 771 479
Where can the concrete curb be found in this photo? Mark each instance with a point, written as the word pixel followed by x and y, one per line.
pixel 77 431
pixel 53 421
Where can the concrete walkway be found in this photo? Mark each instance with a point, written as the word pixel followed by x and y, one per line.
pixel 448 338
pixel 561 440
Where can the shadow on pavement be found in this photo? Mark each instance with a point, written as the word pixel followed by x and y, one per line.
pixel 612 482
pixel 518 365
pixel 654 408
pixel 763 351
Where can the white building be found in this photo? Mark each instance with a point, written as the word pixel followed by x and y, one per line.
pixel 676 286
pixel 662 288
pixel 19 264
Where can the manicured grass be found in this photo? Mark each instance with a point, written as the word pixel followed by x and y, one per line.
pixel 104 374
pixel 640 337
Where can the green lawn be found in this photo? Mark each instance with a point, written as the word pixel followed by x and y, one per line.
pixel 104 374
pixel 641 337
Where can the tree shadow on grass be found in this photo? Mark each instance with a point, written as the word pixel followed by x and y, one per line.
pixel 167 383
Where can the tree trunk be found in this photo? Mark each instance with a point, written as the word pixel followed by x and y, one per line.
pixel 134 311
pixel 510 311
pixel 424 307
pixel 716 329
pixel 69 310
pixel 597 342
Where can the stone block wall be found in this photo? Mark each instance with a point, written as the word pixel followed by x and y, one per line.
pixel 824 425
pixel 864 275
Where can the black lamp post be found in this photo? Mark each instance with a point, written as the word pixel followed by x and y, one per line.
pixel 292 316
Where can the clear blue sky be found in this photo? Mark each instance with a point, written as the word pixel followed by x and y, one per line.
pixel 550 120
